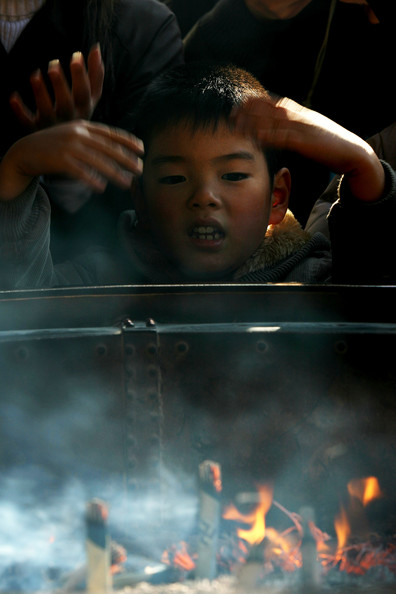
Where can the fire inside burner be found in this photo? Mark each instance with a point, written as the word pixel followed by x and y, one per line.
pixel 257 552
pixel 254 541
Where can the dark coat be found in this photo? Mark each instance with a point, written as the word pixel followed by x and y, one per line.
pixel 354 86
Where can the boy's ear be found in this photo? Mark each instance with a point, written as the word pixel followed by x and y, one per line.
pixel 280 196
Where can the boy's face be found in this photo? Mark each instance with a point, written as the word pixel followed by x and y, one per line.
pixel 207 198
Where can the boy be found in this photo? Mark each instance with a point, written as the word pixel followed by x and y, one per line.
pixel 212 201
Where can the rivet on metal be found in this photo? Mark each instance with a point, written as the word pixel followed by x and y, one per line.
pixel 128 323
pixel 341 347
pixel 261 346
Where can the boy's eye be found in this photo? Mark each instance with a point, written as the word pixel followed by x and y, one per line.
pixel 172 179
pixel 234 176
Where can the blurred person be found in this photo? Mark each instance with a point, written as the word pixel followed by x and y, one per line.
pixel 68 59
pixel 330 55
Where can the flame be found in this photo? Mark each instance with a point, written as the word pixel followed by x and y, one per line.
pixel 280 544
pixel 365 489
pixel 256 518
pixel 342 528
pixel 355 551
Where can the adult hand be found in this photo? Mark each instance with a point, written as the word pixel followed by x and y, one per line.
pixel 90 152
pixel 287 125
pixel 76 102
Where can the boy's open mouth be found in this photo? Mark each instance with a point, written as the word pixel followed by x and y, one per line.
pixel 206 233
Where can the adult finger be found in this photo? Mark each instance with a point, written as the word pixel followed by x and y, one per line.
pixel 64 108
pixel 86 174
pixel 118 135
pixel 96 73
pixel 81 87
pixel 112 154
pixel 44 107
pixel 99 166
pixel 22 112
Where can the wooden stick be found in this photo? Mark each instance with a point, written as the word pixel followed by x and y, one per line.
pixel 209 519
pixel 99 578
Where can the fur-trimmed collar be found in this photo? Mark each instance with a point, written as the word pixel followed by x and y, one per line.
pixel 280 242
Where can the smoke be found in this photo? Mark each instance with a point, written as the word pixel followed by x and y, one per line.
pixel 59 451
pixel 43 530
pixel 275 407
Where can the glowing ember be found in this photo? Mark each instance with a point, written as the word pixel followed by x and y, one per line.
pixel 282 550
pixel 216 476
pixel 358 557
pixel 179 557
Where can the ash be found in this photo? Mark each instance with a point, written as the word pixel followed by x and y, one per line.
pixel 223 585
pixel 229 585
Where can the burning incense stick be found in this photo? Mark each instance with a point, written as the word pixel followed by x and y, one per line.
pixel 310 570
pixel 251 571
pixel 97 547
pixel 209 519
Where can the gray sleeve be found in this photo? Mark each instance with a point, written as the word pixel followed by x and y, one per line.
pixel 25 257
pixel 24 240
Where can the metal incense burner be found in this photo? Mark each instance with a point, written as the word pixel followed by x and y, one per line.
pixel 284 383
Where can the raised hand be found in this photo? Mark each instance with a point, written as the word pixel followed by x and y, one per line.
pixel 284 124
pixel 90 152
pixel 76 102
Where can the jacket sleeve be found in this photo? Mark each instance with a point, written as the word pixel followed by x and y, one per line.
pixel 362 236
pixel 24 240
pixel 25 257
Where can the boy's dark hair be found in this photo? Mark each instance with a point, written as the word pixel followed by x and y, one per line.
pixel 201 94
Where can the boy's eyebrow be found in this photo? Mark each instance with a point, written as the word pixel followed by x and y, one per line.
pixel 246 155
pixel 238 155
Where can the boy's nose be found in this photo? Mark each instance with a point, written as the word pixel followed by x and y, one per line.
pixel 204 197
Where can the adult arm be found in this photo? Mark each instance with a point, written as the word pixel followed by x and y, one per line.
pixel 384 145
pixel 362 220
pixel 24 240
pixel 286 125
pixel 25 257
pixel 91 153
